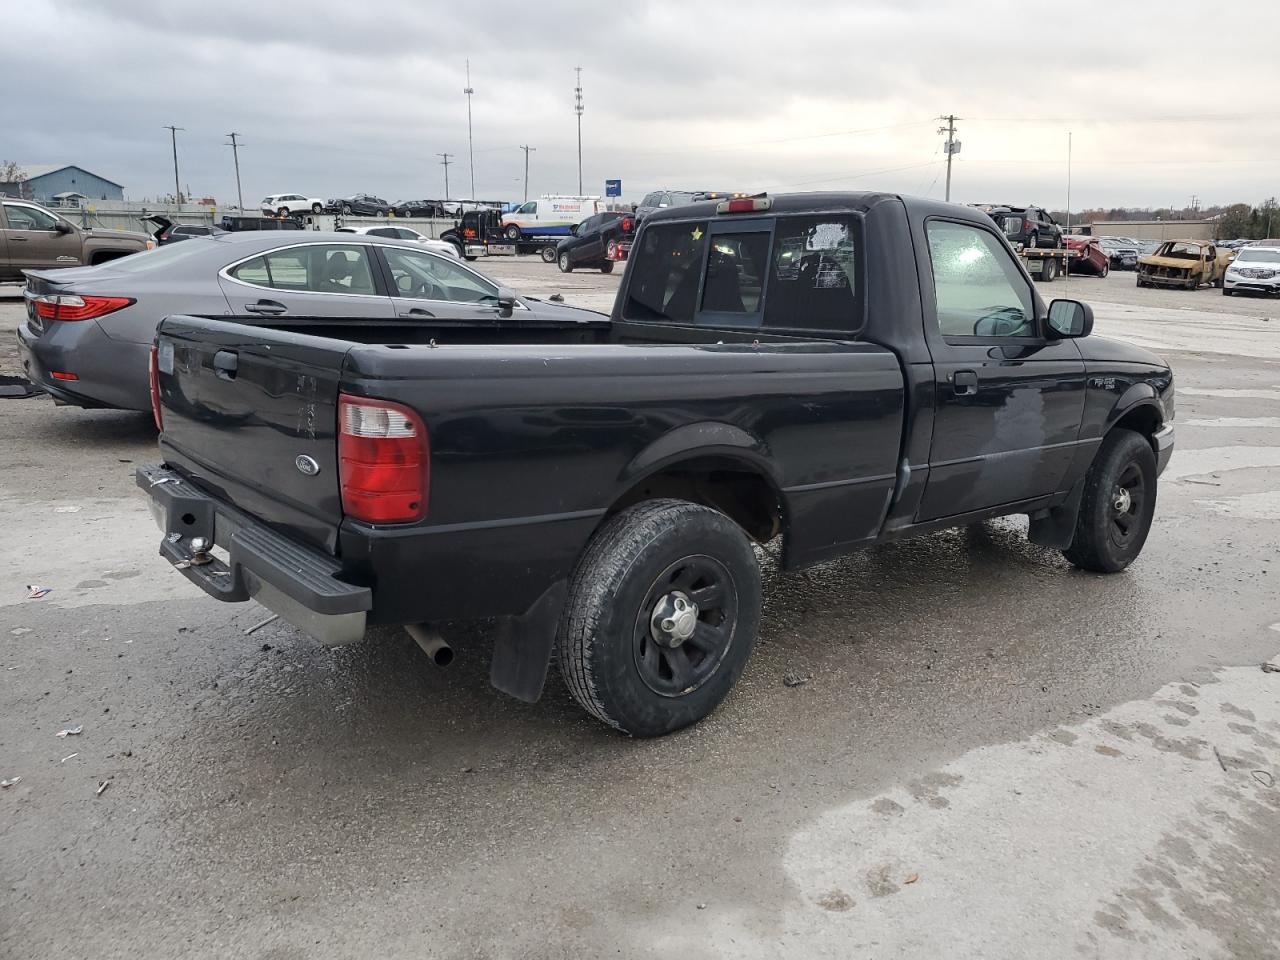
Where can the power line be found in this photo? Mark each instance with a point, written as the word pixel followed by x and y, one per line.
pixel 444 162
pixel 471 153
pixel 527 150
pixel 173 135
pixel 577 108
pixel 857 176
pixel 235 153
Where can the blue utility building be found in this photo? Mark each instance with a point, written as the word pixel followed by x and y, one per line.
pixel 45 181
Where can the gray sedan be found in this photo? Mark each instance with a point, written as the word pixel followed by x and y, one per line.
pixel 88 333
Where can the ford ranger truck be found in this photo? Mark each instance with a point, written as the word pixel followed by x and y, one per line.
pixel 827 370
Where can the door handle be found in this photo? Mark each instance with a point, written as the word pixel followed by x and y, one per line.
pixel 965 382
pixel 416 312
pixel 270 307
pixel 224 364
pixel 18 239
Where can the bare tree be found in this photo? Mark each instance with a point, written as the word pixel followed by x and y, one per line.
pixel 11 172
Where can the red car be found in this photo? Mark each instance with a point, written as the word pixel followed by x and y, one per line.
pixel 1089 256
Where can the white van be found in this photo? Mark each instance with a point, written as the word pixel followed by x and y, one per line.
pixel 549 216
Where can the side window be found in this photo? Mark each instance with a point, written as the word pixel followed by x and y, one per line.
pixel 428 277
pixel 384 232
pixel 664 273
pixel 405 234
pixel 812 275
pixel 978 289
pixel 735 273
pixel 322 268
pixel 28 218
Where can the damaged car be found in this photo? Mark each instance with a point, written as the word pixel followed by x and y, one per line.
pixel 1184 263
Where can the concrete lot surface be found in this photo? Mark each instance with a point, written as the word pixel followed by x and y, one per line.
pixel 995 756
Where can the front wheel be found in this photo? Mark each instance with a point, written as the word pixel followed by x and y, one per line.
pixel 565 265
pixel 282 212
pixel 660 618
pixel 317 208
pixel 548 254
pixel 1118 504
pixel 1106 271
pixel 346 209
pixel 606 267
pixel 1226 292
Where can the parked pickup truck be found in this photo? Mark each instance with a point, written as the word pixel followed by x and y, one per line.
pixel 33 238
pixel 1184 263
pixel 834 370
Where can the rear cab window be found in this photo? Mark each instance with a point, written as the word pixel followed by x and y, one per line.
pixel 783 274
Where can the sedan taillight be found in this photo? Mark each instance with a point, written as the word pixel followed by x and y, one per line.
pixel 384 461
pixel 61 306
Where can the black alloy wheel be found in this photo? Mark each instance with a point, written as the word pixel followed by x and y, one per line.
pixel 685 625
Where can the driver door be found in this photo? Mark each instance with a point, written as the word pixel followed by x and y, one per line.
pixel 1008 402
pixel 32 241
pixel 428 286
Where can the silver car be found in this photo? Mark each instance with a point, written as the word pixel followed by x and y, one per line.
pixel 87 336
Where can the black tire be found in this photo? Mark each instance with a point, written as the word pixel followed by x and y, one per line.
pixel 1220 282
pixel 317 208
pixel 1226 292
pixel 346 209
pixel 548 254
pixel 512 232
pixel 282 212
pixel 564 264
pixel 616 658
pixel 606 267
pixel 1118 504
pixel 1048 270
pixel 1106 270
pixel 1033 241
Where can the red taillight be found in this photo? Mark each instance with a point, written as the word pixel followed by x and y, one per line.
pixel 626 225
pixel 63 375
pixel 55 306
pixel 1027 225
pixel 156 413
pixel 384 461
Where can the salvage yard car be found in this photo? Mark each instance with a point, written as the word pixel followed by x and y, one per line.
pixel 1183 263
pixel 598 242
pixel 33 238
pixel 1088 255
pixel 1254 270
pixel 834 370
pixel 88 332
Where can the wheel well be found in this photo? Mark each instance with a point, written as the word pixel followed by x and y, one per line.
pixel 102 256
pixel 736 489
pixel 1145 420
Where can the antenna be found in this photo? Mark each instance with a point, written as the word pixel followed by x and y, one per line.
pixel 577 108
pixel 471 156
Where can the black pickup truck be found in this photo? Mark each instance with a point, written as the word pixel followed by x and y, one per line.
pixel 834 370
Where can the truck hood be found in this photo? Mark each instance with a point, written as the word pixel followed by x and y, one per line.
pixel 1104 349
pixel 140 238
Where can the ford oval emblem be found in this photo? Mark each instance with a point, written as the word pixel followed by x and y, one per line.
pixel 306 465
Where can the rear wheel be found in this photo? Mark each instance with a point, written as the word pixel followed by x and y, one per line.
pixel 1106 270
pixel 317 208
pixel 660 618
pixel 606 267
pixel 1049 270
pixel 1117 506
pixel 346 209
pixel 282 212
pixel 565 265
pixel 1033 241
pixel 512 232
pixel 548 254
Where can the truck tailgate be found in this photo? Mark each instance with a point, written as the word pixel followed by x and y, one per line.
pixel 250 415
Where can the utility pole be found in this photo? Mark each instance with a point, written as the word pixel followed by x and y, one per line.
pixel 951 147
pixel 445 161
pixel 577 108
pixel 471 156
pixel 1068 183
pixel 235 153
pixel 173 135
pixel 527 150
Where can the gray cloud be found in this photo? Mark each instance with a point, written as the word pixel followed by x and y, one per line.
pixel 333 97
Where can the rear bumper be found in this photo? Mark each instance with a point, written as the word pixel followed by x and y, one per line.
pixel 111 373
pixel 1163 442
pixel 298 583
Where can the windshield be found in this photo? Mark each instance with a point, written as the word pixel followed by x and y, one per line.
pixel 1258 255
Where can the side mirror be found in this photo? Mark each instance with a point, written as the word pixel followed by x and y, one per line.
pixel 61 226
pixel 506 302
pixel 1069 319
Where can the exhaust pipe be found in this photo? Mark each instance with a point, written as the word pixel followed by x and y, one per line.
pixel 432 644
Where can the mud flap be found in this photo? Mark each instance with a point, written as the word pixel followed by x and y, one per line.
pixel 522 646
pixel 1056 526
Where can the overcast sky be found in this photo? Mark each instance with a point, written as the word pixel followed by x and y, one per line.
pixel 333 97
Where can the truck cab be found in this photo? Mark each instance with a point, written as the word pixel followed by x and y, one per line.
pixel 34 238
